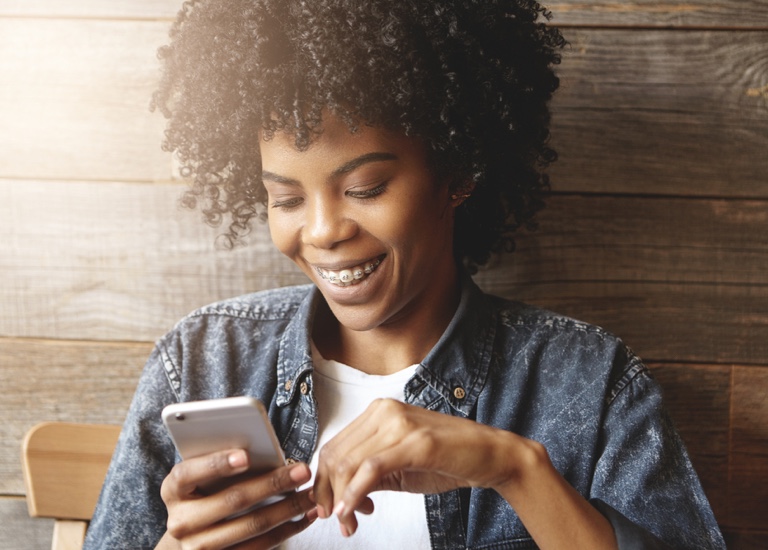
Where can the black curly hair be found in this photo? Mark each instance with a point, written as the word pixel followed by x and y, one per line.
pixel 472 79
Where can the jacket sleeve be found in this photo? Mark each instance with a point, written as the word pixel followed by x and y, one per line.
pixel 644 482
pixel 130 512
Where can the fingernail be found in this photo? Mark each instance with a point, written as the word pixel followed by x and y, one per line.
pixel 321 511
pixel 238 460
pixel 311 515
pixel 344 532
pixel 311 496
pixel 339 509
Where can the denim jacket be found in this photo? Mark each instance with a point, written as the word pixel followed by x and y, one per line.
pixel 568 385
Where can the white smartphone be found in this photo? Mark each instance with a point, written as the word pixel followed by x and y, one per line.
pixel 203 427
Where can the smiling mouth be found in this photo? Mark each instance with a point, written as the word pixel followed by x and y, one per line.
pixel 351 275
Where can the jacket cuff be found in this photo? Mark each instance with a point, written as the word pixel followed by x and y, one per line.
pixel 629 535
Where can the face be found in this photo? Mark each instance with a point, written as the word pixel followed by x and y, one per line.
pixel 363 216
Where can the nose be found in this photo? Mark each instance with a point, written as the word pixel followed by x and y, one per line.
pixel 327 225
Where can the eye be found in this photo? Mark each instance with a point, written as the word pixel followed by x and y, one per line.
pixel 368 193
pixel 287 204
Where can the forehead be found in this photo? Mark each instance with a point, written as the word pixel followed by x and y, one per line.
pixel 335 146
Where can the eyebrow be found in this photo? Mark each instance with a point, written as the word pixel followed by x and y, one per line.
pixel 345 168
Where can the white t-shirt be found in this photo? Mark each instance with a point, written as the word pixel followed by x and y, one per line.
pixel 399 519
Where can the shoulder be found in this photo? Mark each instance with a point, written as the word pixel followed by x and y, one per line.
pixel 549 340
pixel 267 305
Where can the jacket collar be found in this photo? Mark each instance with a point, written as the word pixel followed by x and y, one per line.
pixel 454 370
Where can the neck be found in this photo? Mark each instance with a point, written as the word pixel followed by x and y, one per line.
pixel 390 347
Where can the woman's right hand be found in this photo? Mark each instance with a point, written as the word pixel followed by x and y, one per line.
pixel 204 521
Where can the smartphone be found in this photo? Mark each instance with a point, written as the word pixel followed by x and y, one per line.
pixel 203 427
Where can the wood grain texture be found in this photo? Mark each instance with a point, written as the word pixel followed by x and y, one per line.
pixel 91 9
pixel 117 261
pixel 20 532
pixel 748 487
pixel 656 13
pixel 74 100
pixel 698 398
pixel 681 113
pixel 94 272
pixel 661 112
pixel 65 381
pixel 613 13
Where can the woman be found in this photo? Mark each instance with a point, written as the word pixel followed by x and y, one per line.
pixel 395 147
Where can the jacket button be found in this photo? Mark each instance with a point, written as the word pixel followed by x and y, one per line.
pixel 304 388
pixel 291 460
pixel 288 385
pixel 459 392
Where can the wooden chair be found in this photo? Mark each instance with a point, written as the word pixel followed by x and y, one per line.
pixel 64 467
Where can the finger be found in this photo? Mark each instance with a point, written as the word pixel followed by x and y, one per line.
pixel 260 523
pixel 190 516
pixel 334 460
pixel 279 534
pixel 186 476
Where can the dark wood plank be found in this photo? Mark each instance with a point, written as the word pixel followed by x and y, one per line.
pixel 75 100
pixel 678 113
pixel 745 540
pixel 677 322
pixel 20 532
pixel 59 380
pixel 748 489
pixel 698 398
pixel 654 13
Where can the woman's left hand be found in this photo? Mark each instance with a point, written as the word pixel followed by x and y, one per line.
pixel 394 446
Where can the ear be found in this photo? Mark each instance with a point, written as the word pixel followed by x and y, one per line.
pixel 462 193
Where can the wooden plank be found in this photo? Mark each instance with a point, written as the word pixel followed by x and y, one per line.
pixel 639 112
pixel 676 322
pixel 681 280
pixel 654 13
pixel 86 9
pixel 748 489
pixel 698 398
pixel 663 112
pixel 745 540
pixel 117 261
pixel 60 381
pixel 613 13
pixel 20 532
pixel 74 100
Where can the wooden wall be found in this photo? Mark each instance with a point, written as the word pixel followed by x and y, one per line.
pixel 657 228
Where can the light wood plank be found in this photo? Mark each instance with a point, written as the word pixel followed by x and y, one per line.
pixel 60 381
pixel 74 100
pixel 655 13
pixel 117 261
pixel 679 113
pixel 20 532
pixel 639 112
pixel 681 280
pixel 113 9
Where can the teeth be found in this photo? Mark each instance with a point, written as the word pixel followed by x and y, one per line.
pixel 351 276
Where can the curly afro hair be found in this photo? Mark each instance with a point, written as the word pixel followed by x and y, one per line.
pixel 472 79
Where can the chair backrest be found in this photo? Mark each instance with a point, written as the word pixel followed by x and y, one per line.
pixel 64 466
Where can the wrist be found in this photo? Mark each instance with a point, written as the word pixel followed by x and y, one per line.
pixel 527 462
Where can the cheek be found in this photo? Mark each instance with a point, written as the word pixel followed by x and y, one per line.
pixel 284 234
